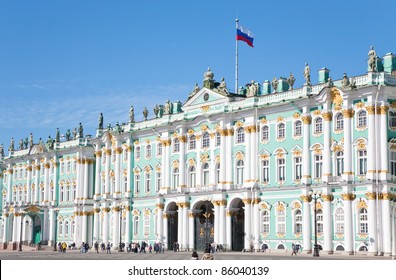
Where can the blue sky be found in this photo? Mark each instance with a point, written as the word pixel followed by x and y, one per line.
pixel 63 62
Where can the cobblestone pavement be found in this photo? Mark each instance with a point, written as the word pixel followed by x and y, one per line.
pixel 169 255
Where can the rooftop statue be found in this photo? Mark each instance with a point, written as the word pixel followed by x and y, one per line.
pixel 68 135
pixel 12 148
pixel 168 108
pixel 156 110
pixel 274 84
pixel 57 135
pixel 195 90
pixel 291 81
pixel 31 140
pixel 252 89
pixel 345 81
pixel 118 128
pixel 74 133
pixel 109 127
pixel 132 115
pixel 50 143
pixel 40 141
pixel 2 150
pixel 21 144
pixel 26 142
pixel 80 131
pixel 145 113
pixel 223 86
pixel 352 83
pixel 330 82
pixel 100 125
pixel 307 74
pixel 372 60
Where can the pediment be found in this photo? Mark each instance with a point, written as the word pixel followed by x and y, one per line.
pixel 205 97
pixel 37 149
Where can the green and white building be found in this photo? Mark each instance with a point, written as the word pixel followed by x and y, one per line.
pixel 238 169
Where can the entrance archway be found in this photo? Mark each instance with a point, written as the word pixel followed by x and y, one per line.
pixel 37 232
pixel 237 224
pixel 204 225
pixel 172 210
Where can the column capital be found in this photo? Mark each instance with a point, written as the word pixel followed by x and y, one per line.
pixel 383 110
pixel 371 195
pixel 348 196
pixel 306 198
pixel 327 116
pixel 327 197
pixel 306 119
pixel 98 154
pixel 160 206
pixel 348 113
pixel 370 110
pixel 247 200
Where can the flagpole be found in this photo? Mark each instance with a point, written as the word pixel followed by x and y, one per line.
pixel 236 59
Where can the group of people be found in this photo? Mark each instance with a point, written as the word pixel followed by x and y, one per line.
pixel 206 256
pixel 62 246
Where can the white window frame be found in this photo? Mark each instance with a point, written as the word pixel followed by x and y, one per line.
pixel 362 162
pixel 297 170
pixel 192 142
pixel 363 221
pixel 205 175
pixel 339 220
pixel 338 122
pixel 205 140
pixel 281 169
pixel 318 166
pixel 176 145
pixel 265 133
pixel 192 177
pixel 281 222
pixel 265 170
pixel 137 183
pixel 240 135
pixel 281 131
pixel 297 131
pixel 240 169
pixel 298 221
pixel 318 125
pixel 265 222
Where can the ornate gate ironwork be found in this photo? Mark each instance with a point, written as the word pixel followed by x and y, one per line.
pixel 204 227
pixel 238 229
pixel 172 230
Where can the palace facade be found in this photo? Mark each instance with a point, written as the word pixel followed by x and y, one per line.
pixel 239 169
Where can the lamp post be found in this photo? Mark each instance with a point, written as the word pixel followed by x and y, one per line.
pixel 207 230
pixel 315 195
pixel 121 207
pixel 56 227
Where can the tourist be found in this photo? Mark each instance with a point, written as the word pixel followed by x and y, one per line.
pixel 194 256
pixel 207 255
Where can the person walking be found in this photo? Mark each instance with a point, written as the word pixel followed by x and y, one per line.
pixel 294 248
pixel 108 248
pixel 96 246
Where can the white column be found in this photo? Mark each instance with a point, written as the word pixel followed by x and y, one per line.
pixel 164 169
pixel 327 116
pixel 182 161
pixel 256 224
pixel 168 168
pixel 383 144
pixel 306 164
pixel 15 227
pixel 128 224
pixel 116 226
pixel 394 230
pixel 191 233
pixel 307 231
pixel 37 182
pixel 117 181
pixel 228 229
pixel 216 221
pixel 84 235
pixel 229 162
pixel 180 223
pixel 52 226
pixel 46 181
pixel 386 224
pixel 160 208
pixel 212 163
pixel 165 227
pixel 129 173
pixel 248 159
pixel 371 142
pixel 86 179
pixel 327 223
pixel 98 179
pixel 222 225
pixel 348 165
pixel 10 176
pixel 28 183
pixel 248 215
pixel 348 223
pixel 7 230
pixel 107 175
pixel 223 159
pixel 254 154
pixel 372 223
pixel 96 224
pixel 185 225
pixel 105 226
pixel 55 179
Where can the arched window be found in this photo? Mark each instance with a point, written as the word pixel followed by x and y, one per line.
pixel 159 149
pixel 125 155
pixel 319 221
pixel 192 142
pixel 68 166
pixel 392 119
pixel 281 222
pixel 281 131
pixel 74 192
pixel 339 122
pixel 239 172
pixel 362 162
pixel 148 151
pixel 137 183
pixel 265 133
pixel 135 225
pixel 205 175
pixel 205 140
pixel 176 145
pixel 298 221
pixel 192 177
pixel 240 135
pixel 218 139
pixel 125 184
pixel 363 221
pixel 72 228
pixel 175 178
pixel 339 221
pixel 137 152
pixel 362 119
pixel 266 222
pixel 218 173
pixel 297 168
pixel 66 229
pixel 146 225
pixel 148 182
pixel 62 195
pixel 159 180
pixel 318 125
pixel 339 163
pixel 298 128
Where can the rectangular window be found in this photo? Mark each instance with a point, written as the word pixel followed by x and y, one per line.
pixel 318 166
pixel 392 166
pixel 148 182
pixel 137 183
pixel 265 171
pixel 281 169
pixel 159 181
pixel 146 225
pixel 362 155
pixel 297 168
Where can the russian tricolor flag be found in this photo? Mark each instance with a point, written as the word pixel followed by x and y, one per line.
pixel 245 35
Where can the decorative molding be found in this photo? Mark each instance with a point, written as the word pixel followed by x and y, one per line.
pixel 348 196
pixel 327 197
